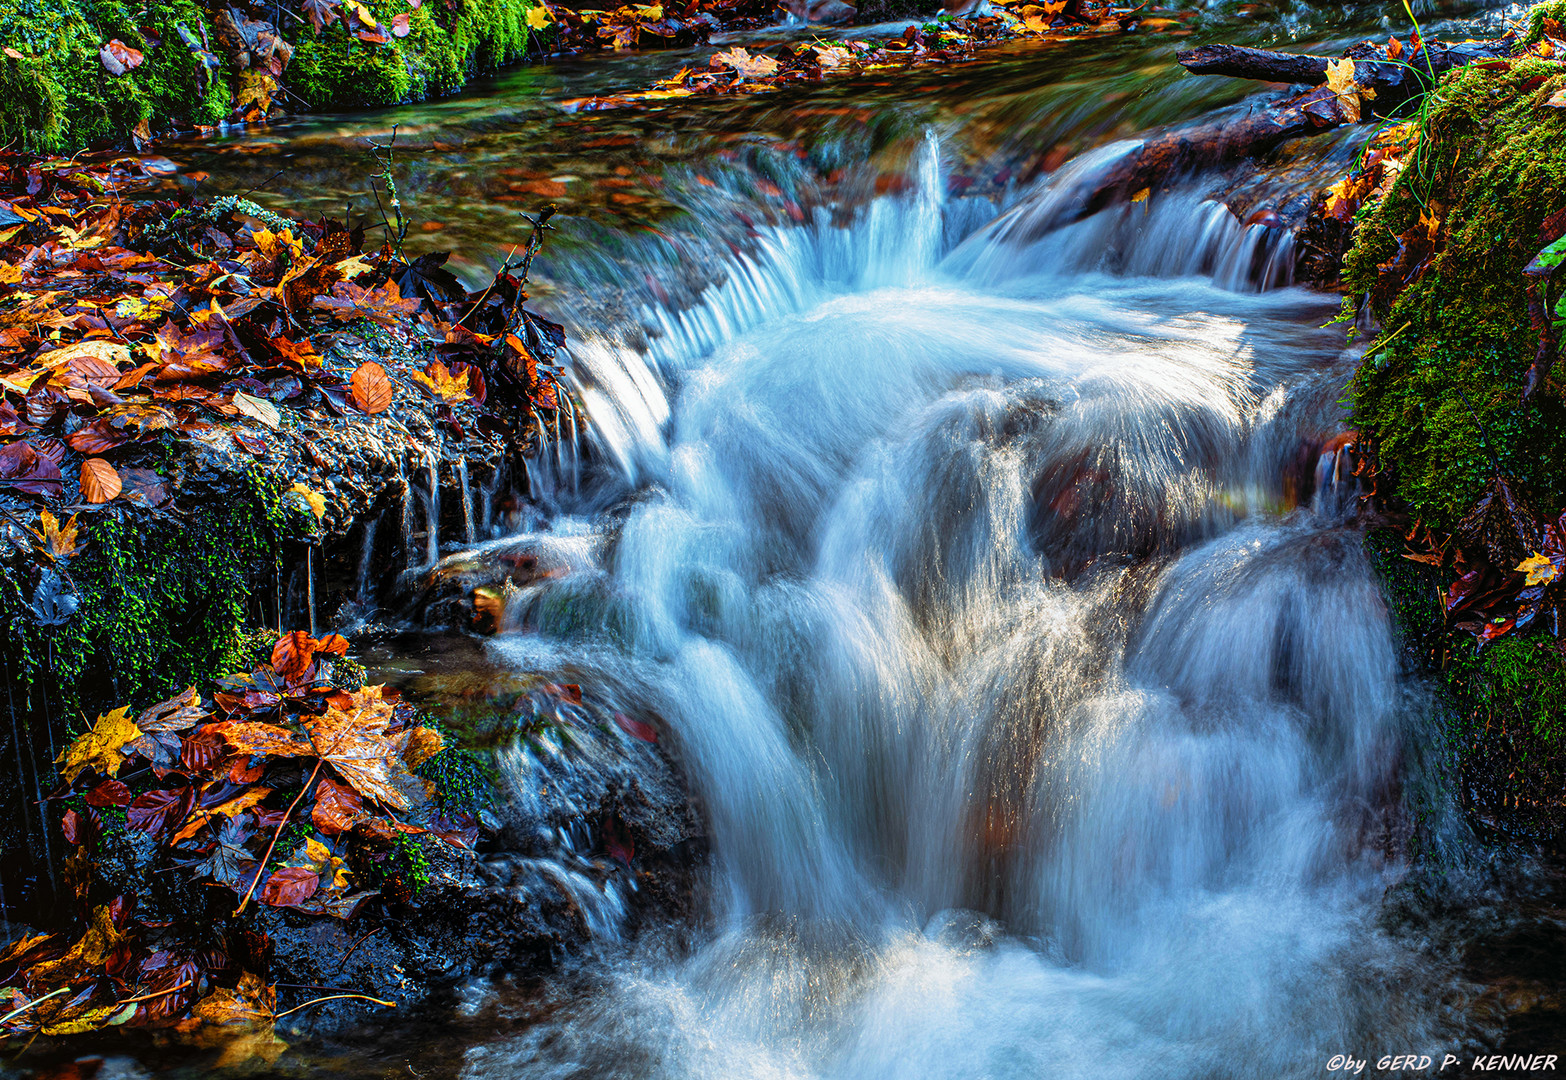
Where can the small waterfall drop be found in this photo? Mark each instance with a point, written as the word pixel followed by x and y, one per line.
pixel 1038 728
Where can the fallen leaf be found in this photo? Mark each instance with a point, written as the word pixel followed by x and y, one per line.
pixel 59 540
pixel 118 57
pixel 100 483
pixel 99 749
pixel 257 409
pixel 372 390
pixel 1340 80
pixel 289 886
pixel 747 65
pixel 311 498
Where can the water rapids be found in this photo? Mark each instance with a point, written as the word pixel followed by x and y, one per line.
pixel 1028 670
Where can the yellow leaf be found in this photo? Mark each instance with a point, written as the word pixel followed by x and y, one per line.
pixel 1340 80
pixel 1141 196
pixel 538 17
pixel 313 498
pixel 99 748
pixel 651 13
pixel 439 381
pixel 60 540
pixel 423 744
pixel 1539 568
pixel 748 66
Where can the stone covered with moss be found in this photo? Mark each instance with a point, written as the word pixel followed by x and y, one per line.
pixel 1452 380
pixel 1444 402
pixel 59 97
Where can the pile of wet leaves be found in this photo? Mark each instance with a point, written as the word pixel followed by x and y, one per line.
pixel 128 326
pixel 281 788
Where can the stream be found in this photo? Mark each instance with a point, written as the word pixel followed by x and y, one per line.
pixel 997 584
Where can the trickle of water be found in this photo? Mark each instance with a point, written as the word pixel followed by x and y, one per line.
pixel 363 589
pixel 1042 706
pixel 432 507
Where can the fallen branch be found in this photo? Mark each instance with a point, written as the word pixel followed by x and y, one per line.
pixel 1381 83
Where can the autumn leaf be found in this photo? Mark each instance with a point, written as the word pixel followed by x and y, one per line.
pixel 295 651
pixel 423 743
pixel 251 1002
pixel 100 483
pixel 178 713
pixel 313 499
pixel 442 384
pixel 257 737
pixel 59 540
pixel 1340 80
pixel 118 57
pixel 358 748
pixel 257 409
pixel 290 886
pixel 372 390
pixel 337 807
pixel 99 749
pixel 1541 570
pixel 322 13
pixel 747 65
pixel 538 17
pixel 399 25
pixel 636 728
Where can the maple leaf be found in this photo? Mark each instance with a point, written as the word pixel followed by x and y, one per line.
pixel 59 540
pixel 230 862
pixel 251 1002
pixel 1340 80
pixel 99 748
pixel 359 749
pixel 384 305
pixel 442 384
pixel 422 744
pixel 295 651
pixel 1540 568
pixel 539 17
pixel 257 737
pixel 748 66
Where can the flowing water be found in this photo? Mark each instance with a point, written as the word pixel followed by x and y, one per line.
pixel 999 589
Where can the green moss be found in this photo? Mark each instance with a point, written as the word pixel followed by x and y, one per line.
pixel 464 778
pixel 60 97
pixel 334 69
pixel 1496 164
pixel 161 602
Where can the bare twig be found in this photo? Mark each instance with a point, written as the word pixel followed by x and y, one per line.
pixel 155 994
pixel 261 868
pixel 334 997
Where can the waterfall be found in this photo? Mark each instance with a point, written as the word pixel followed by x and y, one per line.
pixel 432 507
pixel 364 590
pixel 1036 730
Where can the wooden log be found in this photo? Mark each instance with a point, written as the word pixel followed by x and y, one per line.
pixel 1383 84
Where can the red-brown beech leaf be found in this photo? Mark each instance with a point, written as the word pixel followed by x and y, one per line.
pixel 290 886
pixel 636 729
pixel 76 827
pixel 100 482
pixel 372 390
pixel 152 812
pixel 109 793
pixel 337 807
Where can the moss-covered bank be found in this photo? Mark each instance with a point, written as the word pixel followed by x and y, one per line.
pixel 57 95
pixel 1444 402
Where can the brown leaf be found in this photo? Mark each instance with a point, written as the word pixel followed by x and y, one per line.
pixel 178 713
pixel 109 793
pixel 337 807
pixel 372 390
pixel 100 483
pixel 290 886
pixel 422 744
pixel 118 57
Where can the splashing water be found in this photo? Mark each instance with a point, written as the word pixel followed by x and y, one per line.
pixel 1043 725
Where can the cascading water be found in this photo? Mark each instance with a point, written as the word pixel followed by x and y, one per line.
pixel 1043 726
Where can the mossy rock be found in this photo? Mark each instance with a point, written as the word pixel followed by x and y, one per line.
pixel 1494 159
pixel 59 97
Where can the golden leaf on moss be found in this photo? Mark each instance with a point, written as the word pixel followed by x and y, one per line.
pixel 423 743
pixel 538 17
pixel 99 748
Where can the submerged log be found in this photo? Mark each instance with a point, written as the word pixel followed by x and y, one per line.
pixel 1381 83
